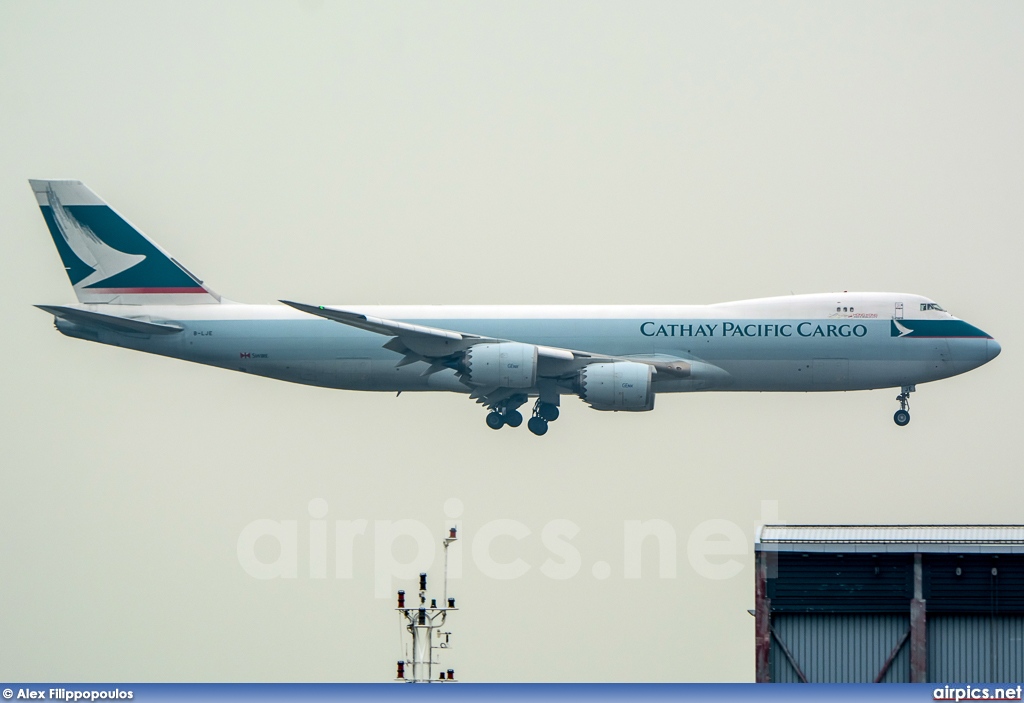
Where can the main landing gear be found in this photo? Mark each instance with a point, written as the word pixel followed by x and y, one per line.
pixel 902 416
pixel 507 414
pixel 498 419
pixel 543 413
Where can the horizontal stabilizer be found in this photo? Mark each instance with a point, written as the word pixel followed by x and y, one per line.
pixel 116 323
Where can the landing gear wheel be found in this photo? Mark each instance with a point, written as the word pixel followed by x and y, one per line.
pixel 548 411
pixel 513 418
pixel 496 421
pixel 537 425
pixel 902 416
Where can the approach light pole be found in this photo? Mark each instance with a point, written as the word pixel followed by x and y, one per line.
pixel 424 624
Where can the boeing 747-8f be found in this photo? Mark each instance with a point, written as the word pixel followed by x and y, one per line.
pixel 133 294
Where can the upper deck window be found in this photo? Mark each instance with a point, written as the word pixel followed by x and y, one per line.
pixel 932 306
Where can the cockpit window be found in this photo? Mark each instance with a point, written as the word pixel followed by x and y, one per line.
pixel 932 306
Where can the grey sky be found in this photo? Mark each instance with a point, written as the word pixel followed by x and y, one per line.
pixel 485 153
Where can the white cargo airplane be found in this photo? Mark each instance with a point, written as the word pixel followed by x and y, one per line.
pixel 133 294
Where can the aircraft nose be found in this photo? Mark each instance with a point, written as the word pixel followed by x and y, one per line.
pixel 993 349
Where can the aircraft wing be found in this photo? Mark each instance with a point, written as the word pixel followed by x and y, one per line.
pixel 426 341
pixel 438 346
pixel 433 344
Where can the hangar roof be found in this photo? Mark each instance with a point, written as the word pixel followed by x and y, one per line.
pixel 891 538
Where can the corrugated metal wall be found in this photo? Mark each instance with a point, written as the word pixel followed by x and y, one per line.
pixel 839 648
pixel 974 583
pixel 841 614
pixel 975 648
pixel 835 583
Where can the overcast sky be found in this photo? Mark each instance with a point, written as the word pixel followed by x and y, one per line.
pixel 527 152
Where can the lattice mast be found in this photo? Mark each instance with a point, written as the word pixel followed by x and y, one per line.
pixel 424 624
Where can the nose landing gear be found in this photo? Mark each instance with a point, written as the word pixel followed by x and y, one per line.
pixel 902 416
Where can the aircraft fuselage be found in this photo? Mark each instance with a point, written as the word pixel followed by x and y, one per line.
pixel 792 343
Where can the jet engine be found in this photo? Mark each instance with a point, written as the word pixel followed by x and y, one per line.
pixel 502 365
pixel 617 385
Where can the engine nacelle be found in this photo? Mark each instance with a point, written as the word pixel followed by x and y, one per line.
pixel 617 385
pixel 504 365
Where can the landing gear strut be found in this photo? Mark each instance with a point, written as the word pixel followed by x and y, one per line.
pixel 548 411
pixel 902 416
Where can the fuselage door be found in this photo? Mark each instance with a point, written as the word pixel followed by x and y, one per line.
pixel 898 313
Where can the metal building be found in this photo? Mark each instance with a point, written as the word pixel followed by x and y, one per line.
pixel 913 603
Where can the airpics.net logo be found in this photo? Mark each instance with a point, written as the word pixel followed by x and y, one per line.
pixel 272 549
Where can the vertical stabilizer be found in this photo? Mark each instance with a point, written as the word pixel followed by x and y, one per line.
pixel 106 257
